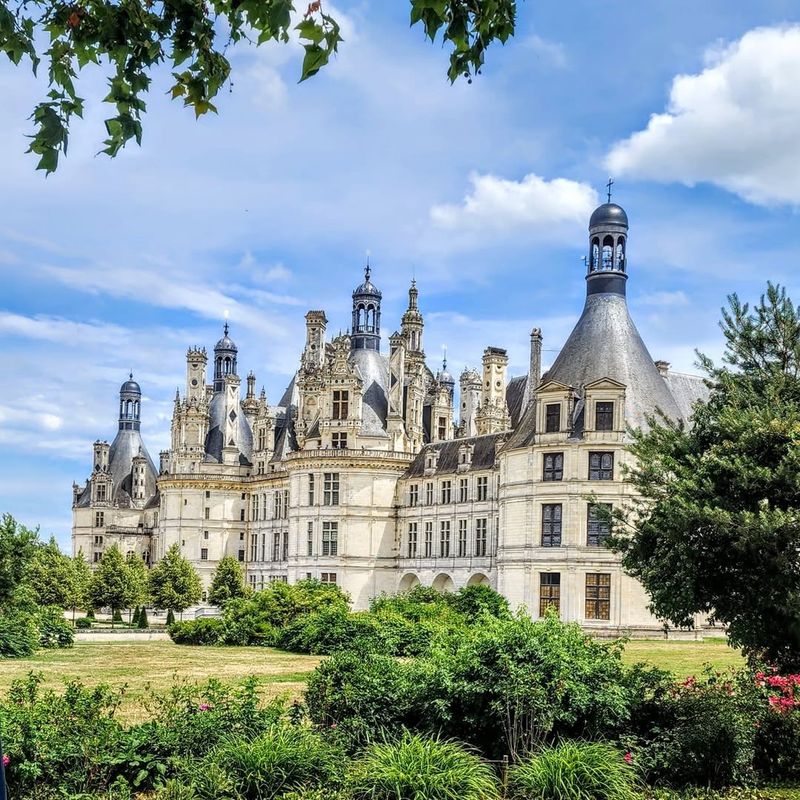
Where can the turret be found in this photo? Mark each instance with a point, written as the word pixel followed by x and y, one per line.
pixel 225 355
pixel 607 268
pixel 412 323
pixel 314 353
pixel 470 385
pixel 366 331
pixel 493 416
pixel 196 362
pixel 130 401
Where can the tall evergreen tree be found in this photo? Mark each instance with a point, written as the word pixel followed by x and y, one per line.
pixel 227 583
pixel 717 531
pixel 174 583
pixel 112 584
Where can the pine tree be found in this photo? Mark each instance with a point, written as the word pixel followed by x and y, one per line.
pixel 228 582
pixel 174 583
pixel 135 617
pixel 111 583
pixel 717 531
pixel 142 621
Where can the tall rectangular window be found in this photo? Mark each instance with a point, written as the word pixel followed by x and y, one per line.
pixel 310 539
pixel 207 513
pixel 598 595
pixel 241 556
pixel 463 490
pixel 428 539
pixel 604 416
pixel 98 540
pixel 339 440
pixel 462 538
pixel 412 539
pixel 285 503
pixel 551 525
pixel 276 546
pixel 552 418
pixel 482 487
pixel 101 492
pixel 97 557
pixel 442 428
pixel 285 546
pixel 262 439
pixel 429 494
pixel 599 524
pixel 99 519
pixel 341 402
pixel 264 506
pixel 549 592
pixel 277 502
pixel 444 538
pixel 601 466
pixel 480 536
pixel 330 538
pixel 254 547
pixel 553 469
pixel 263 546
pixel 311 488
pixel 413 494
pixel 204 554
pixel 330 489
pixel 447 491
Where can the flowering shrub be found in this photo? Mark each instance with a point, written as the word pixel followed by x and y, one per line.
pixel 783 691
pixel 778 729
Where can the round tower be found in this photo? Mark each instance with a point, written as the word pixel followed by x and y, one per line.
pixel 130 401
pixel 225 354
pixel 445 378
pixel 366 330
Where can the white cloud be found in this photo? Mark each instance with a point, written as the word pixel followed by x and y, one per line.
pixel 553 53
pixel 734 125
pixel 533 203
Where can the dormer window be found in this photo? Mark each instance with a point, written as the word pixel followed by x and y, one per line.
pixel 604 416
pixel 339 441
pixel 341 403
pixel 552 421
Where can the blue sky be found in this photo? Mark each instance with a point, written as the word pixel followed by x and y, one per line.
pixel 482 191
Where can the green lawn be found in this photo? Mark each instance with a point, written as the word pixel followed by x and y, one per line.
pixel 683 658
pixel 157 664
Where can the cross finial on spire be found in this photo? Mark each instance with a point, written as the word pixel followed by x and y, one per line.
pixel 225 328
pixel 608 188
pixel 444 358
pixel 367 269
pixel 130 376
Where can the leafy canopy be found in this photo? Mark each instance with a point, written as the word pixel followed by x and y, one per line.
pixel 227 583
pixel 174 583
pixel 112 584
pixel 717 530
pixel 129 39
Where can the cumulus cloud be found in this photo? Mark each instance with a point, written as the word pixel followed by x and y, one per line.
pixel 538 205
pixel 734 124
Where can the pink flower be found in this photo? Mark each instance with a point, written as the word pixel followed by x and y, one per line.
pixel 628 757
pixel 204 707
pixel 6 760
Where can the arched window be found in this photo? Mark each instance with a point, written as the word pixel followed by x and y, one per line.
pixel 608 253
pixel 619 254
pixel 128 409
pixel 227 364
pixel 594 264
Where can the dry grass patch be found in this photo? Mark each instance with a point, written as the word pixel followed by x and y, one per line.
pixel 156 665
pixel 683 658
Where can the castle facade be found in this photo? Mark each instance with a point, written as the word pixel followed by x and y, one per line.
pixel 360 475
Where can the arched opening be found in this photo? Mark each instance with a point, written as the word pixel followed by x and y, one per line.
pixel 408 582
pixel 227 365
pixel 443 583
pixel 594 263
pixel 608 253
pixel 136 409
pixel 619 254
pixel 478 579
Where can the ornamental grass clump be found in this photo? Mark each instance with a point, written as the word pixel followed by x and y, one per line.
pixel 575 771
pixel 420 768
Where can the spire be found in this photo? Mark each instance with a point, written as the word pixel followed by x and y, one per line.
pixel 608 234
pixel 130 400
pixel 225 355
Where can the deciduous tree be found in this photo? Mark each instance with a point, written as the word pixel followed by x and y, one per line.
pixel 111 584
pixel 49 574
pixel 174 584
pixel 717 529
pixel 131 38
pixel 227 583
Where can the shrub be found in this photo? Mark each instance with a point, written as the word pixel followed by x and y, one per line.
pixel 90 614
pixel 361 694
pixel 135 617
pixel 66 740
pixel 575 771
pixel 83 623
pixel 116 615
pixel 333 629
pixel 700 733
pixel 475 601
pixel 170 616
pixel 19 635
pixel 142 623
pixel 206 630
pixel 420 768
pixel 504 685
pixel 282 758
pixel 54 630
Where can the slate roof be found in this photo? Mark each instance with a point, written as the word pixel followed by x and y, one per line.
pixel 483 455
